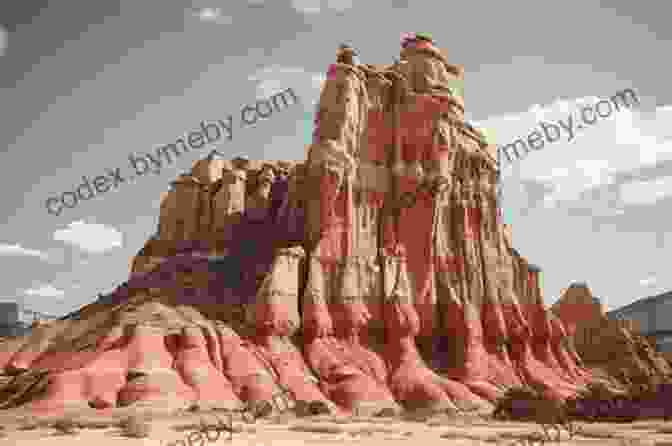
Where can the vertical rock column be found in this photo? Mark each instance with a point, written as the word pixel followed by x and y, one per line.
pixel 426 138
pixel 276 307
pixel 278 197
pixel 541 327
pixel 255 237
pixel 180 219
pixel 229 205
pixel 518 328
pixel 258 201
pixel 559 345
pixel 369 189
pixel 542 348
pixel 416 225
pixel 350 373
pixel 476 365
pixel 332 299
pixel 427 148
pixel 341 377
pixel 341 117
pixel 492 316
pixel 462 328
pixel 412 382
pixel 451 293
pixel 534 372
pixel 168 216
pixel 296 204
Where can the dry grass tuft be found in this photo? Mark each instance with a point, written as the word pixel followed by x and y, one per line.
pixel 66 426
pixel 135 427
pixel 318 428
pixel 28 424
pixel 593 432
pixel 97 424
pixel 480 437
pixel 186 427
pixel 282 418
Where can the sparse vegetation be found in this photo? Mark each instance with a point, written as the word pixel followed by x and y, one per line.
pixel 600 403
pixel 97 424
pixel 66 426
pixel 135 427
pixel 516 403
pixel 593 432
pixel 28 424
pixel 386 412
pixel 318 428
pixel 527 404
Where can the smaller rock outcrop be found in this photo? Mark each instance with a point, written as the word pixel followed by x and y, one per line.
pixel 577 306
pixel 614 346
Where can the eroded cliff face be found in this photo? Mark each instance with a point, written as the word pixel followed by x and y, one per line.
pixel 374 275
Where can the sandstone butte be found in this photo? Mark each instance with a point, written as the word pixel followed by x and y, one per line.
pixel 374 275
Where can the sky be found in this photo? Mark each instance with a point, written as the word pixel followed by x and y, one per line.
pixel 84 84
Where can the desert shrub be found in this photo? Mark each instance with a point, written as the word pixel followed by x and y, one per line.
pixel 516 403
pixel 528 404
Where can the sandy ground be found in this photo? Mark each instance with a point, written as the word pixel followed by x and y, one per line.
pixel 286 430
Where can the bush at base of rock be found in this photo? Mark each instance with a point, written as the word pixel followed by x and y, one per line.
pixel 517 403
pixel 656 403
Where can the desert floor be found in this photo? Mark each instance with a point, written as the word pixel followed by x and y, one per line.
pixel 286 430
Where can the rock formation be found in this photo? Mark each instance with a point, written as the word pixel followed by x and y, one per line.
pixel 577 306
pixel 376 275
pixel 612 345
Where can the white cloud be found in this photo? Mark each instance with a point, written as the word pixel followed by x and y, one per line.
pixel 340 5
pixel 275 78
pixel 625 141
pixel 3 40
pixel 213 15
pixel 18 250
pixel 646 192
pixel 648 281
pixel 45 291
pixel 307 6
pixel 317 6
pixel 91 237
pixel 58 255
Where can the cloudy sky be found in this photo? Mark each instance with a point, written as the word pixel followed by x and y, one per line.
pixel 84 83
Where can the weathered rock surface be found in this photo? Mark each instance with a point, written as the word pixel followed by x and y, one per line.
pixel 374 276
